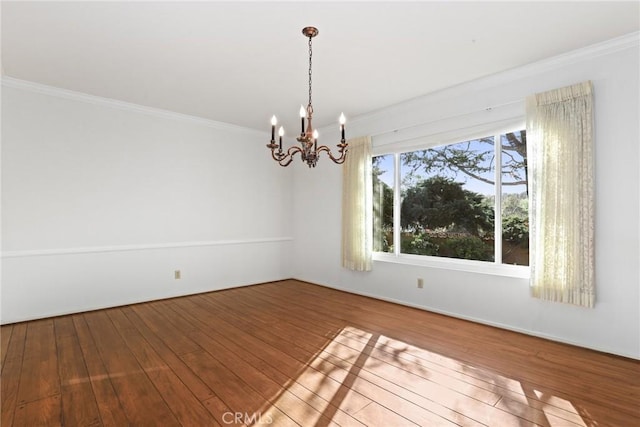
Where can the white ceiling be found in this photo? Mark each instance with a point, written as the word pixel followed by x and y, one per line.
pixel 241 62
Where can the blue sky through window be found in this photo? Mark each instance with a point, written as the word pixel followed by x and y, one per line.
pixel 385 164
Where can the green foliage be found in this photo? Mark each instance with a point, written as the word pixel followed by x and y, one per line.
pixel 419 244
pixel 515 205
pixel 468 247
pixel 439 202
pixel 382 203
pixel 382 211
pixel 515 229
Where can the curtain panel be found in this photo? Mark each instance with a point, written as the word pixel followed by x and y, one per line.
pixel 357 206
pixel 560 167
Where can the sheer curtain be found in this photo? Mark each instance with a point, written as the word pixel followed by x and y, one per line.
pixel 560 151
pixel 357 205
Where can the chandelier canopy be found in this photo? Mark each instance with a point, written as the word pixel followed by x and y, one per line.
pixel 308 149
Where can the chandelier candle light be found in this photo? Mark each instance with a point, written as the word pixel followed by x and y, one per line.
pixel 308 149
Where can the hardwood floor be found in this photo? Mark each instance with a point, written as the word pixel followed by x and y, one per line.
pixel 290 353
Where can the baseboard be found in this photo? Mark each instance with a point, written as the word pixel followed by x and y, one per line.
pixel 474 319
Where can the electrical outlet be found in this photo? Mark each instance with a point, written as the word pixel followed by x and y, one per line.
pixel 177 275
pixel 420 283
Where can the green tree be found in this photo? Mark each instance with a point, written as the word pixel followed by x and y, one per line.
pixel 439 202
pixel 382 211
pixel 515 230
pixel 382 200
pixel 515 205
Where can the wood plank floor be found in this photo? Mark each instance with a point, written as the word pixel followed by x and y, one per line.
pixel 290 353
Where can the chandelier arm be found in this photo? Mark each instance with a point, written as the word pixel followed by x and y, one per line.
pixel 285 164
pixel 339 160
pixel 293 150
pixel 281 157
pixel 277 156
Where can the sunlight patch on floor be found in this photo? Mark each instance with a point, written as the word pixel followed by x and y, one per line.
pixel 103 377
pixel 357 369
pixel 559 409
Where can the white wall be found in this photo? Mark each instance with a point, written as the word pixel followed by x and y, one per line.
pixel 102 201
pixel 614 324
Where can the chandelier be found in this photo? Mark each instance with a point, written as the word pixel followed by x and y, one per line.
pixel 308 139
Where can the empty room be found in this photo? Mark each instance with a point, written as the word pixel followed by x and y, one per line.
pixel 320 213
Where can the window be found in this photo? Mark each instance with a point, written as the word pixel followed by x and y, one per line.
pixel 467 200
pixel 383 178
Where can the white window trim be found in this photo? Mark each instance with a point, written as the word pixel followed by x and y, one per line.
pixel 451 136
pixel 456 264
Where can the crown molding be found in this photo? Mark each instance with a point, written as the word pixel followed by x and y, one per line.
pixel 628 41
pixel 12 82
pixel 607 47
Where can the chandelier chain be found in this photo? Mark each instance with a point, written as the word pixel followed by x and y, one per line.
pixel 310 55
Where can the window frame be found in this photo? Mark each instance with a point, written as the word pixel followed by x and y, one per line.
pixel 495 267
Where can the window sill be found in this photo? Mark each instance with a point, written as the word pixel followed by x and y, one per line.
pixel 482 267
